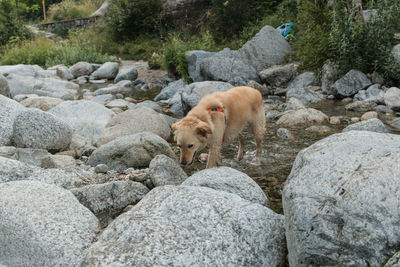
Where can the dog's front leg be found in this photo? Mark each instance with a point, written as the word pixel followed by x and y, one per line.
pixel 216 139
pixel 213 156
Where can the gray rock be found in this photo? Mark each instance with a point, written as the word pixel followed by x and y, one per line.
pixel 63 72
pixel 373 93
pixel 125 83
pixel 130 151
pixel 392 98
pixel 177 106
pixel 87 118
pixel 170 120
pixel 303 116
pixel 272 115
pixel 191 226
pixel 340 201
pixel 278 76
pixel 34 128
pixel 395 124
pixel 101 168
pixel 103 99
pixel 329 75
pixel 9 110
pixel 114 89
pixel 306 95
pixel 231 181
pixel 170 90
pixel 361 106
pixel 55 88
pixel 9 152
pixel 110 196
pixel 228 66
pixel 4 88
pixel 194 59
pixel 81 69
pixel 120 103
pixel 303 80
pixel 266 49
pixel 394 261
pixel 396 53
pixel 263 89
pixel 43 225
pixel 13 170
pixel 372 125
pixel 294 104
pixel 108 70
pixel 319 129
pixel 81 145
pixel 127 73
pixel 31 156
pixel 383 109
pixel 149 104
pixel 284 133
pixel 63 162
pixel 350 83
pixel 20 69
pixel 134 121
pixel 165 171
pixel 19 84
pixel 41 102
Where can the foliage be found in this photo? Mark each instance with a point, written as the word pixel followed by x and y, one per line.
pixel 72 9
pixel 10 27
pixel 46 53
pixel 130 18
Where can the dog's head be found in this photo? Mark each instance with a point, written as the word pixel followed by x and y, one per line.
pixel 191 135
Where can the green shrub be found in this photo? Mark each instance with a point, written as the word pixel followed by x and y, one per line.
pixel 10 27
pixel 130 18
pixel 72 9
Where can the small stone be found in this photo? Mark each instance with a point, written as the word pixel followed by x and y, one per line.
pixel 101 168
pixel 318 129
pixel 284 133
pixel 355 119
pixel 203 157
pixel 335 120
pixel 369 115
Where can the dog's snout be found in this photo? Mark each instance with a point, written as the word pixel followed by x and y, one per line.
pixel 184 162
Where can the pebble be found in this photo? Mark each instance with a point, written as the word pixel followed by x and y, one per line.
pixel 369 115
pixel 284 133
pixel 101 168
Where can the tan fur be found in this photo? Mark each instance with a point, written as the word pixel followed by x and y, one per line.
pixel 199 129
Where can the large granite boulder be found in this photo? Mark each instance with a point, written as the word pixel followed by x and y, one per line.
pixel 131 151
pixel 20 69
pixel 303 80
pixel 9 110
pixel 87 118
pixel 170 90
pixel 126 74
pixel 304 116
pixel 392 98
pixel 108 70
pixel 43 225
pixel 194 59
pixel 41 102
pixel 278 76
pixel 55 88
pixel 4 88
pixel 350 84
pixel 341 201
pixel 38 129
pixel 231 181
pixel 372 125
pixel 164 170
pixel 306 95
pixel 81 69
pixel 132 122
pixel 191 226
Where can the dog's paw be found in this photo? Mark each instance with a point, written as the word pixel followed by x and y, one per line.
pixel 255 162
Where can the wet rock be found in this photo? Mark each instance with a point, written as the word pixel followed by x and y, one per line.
pixel 194 59
pixel 37 129
pixel 170 90
pixel 9 110
pixel 110 196
pixel 87 118
pixel 351 83
pixel 369 115
pixel 166 171
pixel 392 98
pixel 284 133
pixel 108 70
pixel 130 151
pixel 127 73
pixel 31 156
pixel 278 76
pixel 4 88
pixel 303 80
pixel 361 106
pixel 191 226
pixel 339 201
pixel 319 129
pixel 134 121
pixel 81 69
pixel 48 228
pixel 13 170
pixel 306 95
pixel 372 125
pixel 229 180
pixel 41 102
pixel 303 116
pixel 62 162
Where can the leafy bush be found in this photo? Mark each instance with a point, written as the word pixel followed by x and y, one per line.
pixel 71 9
pixel 130 18
pixel 10 27
pixel 46 53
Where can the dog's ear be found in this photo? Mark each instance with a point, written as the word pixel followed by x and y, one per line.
pixel 203 129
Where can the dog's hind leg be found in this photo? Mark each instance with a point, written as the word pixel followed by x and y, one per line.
pixel 241 148
pixel 257 127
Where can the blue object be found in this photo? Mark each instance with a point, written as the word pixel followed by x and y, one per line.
pixel 286 28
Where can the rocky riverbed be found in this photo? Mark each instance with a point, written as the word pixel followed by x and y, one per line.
pixel 89 173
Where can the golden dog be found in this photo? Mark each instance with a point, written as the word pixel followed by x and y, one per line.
pixel 216 120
